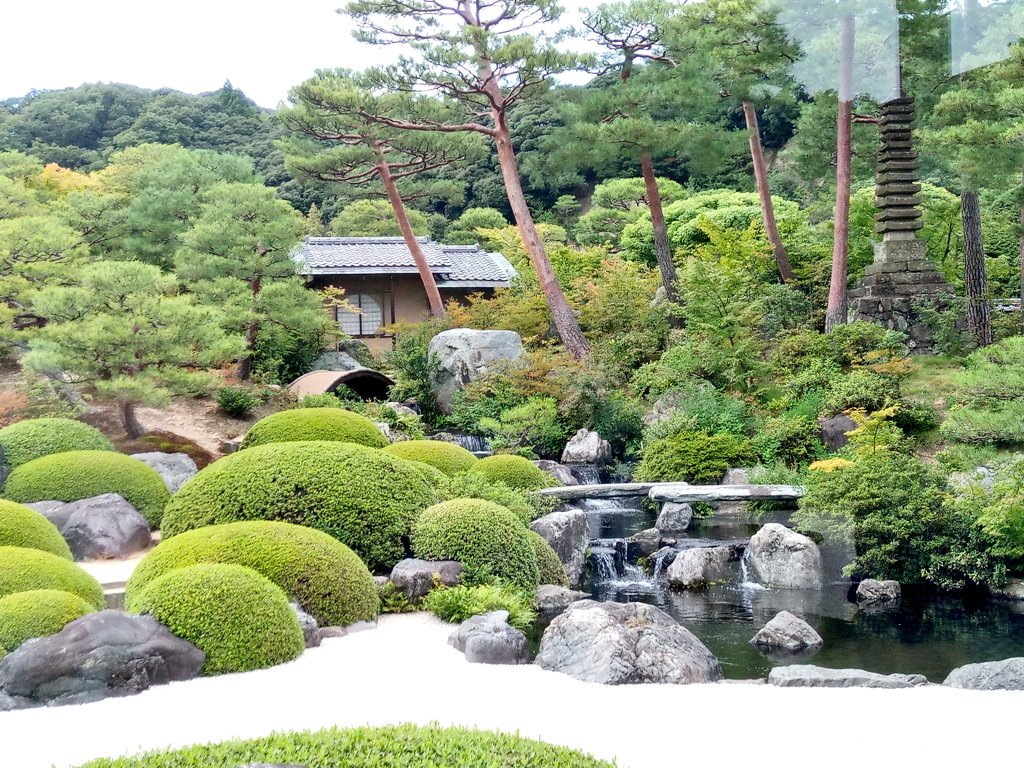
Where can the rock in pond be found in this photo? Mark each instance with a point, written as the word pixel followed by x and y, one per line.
pixel 784 559
pixel 623 643
pixel 675 517
pixel 1005 675
pixel 560 472
pixel 175 468
pixel 810 676
pixel 643 544
pixel 787 632
pixel 587 447
pixel 552 599
pixel 1012 590
pixel 489 639
pixel 104 526
pixel 701 566
pixel 464 355
pixel 873 591
pixel 415 578
pixel 569 535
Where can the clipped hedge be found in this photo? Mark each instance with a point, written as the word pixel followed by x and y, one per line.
pixel 24 569
pixel 37 613
pixel 24 527
pixel 239 619
pixel 392 746
pixel 515 472
pixel 450 458
pixel 82 474
pixel 301 424
pixel 30 439
pixel 362 497
pixel 435 477
pixel 327 578
pixel 481 535
pixel 473 485
pixel 693 457
pixel 548 563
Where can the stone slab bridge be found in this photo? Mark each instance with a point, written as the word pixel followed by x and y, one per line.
pixel 677 492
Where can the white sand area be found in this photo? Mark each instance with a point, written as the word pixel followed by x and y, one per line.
pixel 404 671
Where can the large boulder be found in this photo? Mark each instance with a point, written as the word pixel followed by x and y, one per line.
pixel 104 526
pixel 872 591
pixel 464 355
pixel 1012 590
pixel 1006 675
pixel 787 632
pixel 586 447
pixel 175 468
pixel 489 639
pixel 674 517
pixel 698 567
pixel 569 535
pixel 96 656
pixel 810 676
pixel 832 431
pixel 560 472
pixel 415 577
pixel 784 559
pixel 643 543
pixel 624 643
pixel 552 599
pixel 310 629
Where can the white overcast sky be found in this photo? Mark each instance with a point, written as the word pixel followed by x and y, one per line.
pixel 262 46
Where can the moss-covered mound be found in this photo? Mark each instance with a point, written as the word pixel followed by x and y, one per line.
pixel 450 458
pixel 239 619
pixel 335 424
pixel 37 613
pixel 435 477
pixel 24 569
pixel 473 485
pixel 362 497
pixel 393 746
pixel 551 569
pixel 78 475
pixel 30 439
pixel 24 527
pixel 481 535
pixel 327 578
pixel 515 472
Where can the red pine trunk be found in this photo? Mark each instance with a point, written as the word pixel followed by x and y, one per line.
pixel 662 248
pixel 979 311
pixel 771 230
pixel 835 314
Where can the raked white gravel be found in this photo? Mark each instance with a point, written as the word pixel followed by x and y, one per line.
pixel 404 671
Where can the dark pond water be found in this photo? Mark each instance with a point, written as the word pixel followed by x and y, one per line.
pixel 925 634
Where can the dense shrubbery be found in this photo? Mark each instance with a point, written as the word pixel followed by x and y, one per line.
pixel 37 613
pixel 23 570
pixel 319 572
pixel 82 474
pixel 791 439
pixel 515 472
pixel 450 458
pixel 525 505
pixel 24 527
pixel 298 424
pixel 532 428
pixel 32 438
pixel 1000 512
pixel 551 569
pixel 239 619
pixel 360 496
pixel 236 401
pixel 989 396
pixel 456 604
pixel 693 457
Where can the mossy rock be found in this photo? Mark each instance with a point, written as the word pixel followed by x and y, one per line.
pixel 24 569
pixel 31 439
pixel 24 527
pixel 481 535
pixel 239 619
pixel 37 613
pixel 550 566
pixel 450 458
pixel 515 472
pixel 324 576
pixel 301 424
pixel 78 475
pixel 362 497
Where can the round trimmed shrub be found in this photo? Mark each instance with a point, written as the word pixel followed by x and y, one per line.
pixel 473 485
pixel 515 472
pixel 327 578
pixel 239 619
pixel 24 569
pixel 302 424
pixel 693 457
pixel 481 535
pixel 450 458
pixel 435 477
pixel 550 566
pixel 30 439
pixel 78 475
pixel 24 527
pixel 360 496
pixel 37 613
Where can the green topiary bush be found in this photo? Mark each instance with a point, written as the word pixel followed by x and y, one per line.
pixel 24 569
pixel 550 566
pixel 37 613
pixel 236 401
pixel 335 424
pixel 435 477
pixel 692 457
pixel 480 535
pixel 239 619
pixel 515 472
pixel 450 458
pixel 81 474
pixel 456 604
pixel 24 527
pixel 473 485
pixel 362 497
pixel 327 578
pixel 27 440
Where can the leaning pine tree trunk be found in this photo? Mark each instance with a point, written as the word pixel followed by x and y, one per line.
pixel 835 314
pixel 251 332
pixel 979 312
pixel 1022 258
pixel 132 427
pixel 662 248
pixel 771 230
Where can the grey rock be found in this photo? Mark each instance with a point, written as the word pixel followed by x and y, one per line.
pixel 643 543
pixel 623 643
pixel 784 559
pixel 351 629
pixel 552 599
pixel 464 355
pixel 569 535
pixel 57 512
pixel 310 629
pixel 488 639
pixel 104 526
pixel 381 581
pixel 736 477
pixel 788 632
pixel 96 656
pixel 810 676
pixel 587 447
pixel 832 431
pixel 872 591
pixel 699 567
pixel 664 557
pixel 560 472
pixel 1005 675
pixel 1012 590
pixel 401 410
pixel 674 517
pixel 415 577
pixel 232 445
pixel 175 468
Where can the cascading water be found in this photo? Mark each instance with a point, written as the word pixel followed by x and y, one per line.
pixel 475 444
pixel 587 474
pixel 745 580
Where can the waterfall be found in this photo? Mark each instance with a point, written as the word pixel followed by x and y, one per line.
pixel 587 474
pixel 475 444
pixel 745 581
pixel 659 564
pixel 604 565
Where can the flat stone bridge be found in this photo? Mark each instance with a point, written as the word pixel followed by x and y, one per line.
pixel 677 492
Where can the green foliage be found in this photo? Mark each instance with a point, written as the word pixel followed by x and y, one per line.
pixel 23 570
pixel 1000 511
pixel 360 496
pixel 37 613
pixel 324 576
pixel 551 569
pixel 24 527
pixel 456 604
pixel 450 458
pixel 78 475
pixel 692 457
pixel 514 471
pixel 32 438
pixel 239 619
pixel 304 424
pixel 790 439
pixel 236 402
pixel 698 407
pixel 533 428
pixel 479 534
pixel 874 432
pixel 411 366
pixel 525 505
pixel 463 231
pixel 374 218
pixel 485 398
pixel 859 389
pixel 988 397
pixel 409 425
